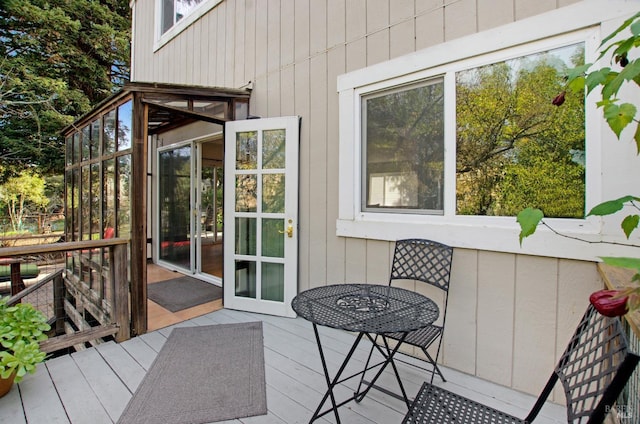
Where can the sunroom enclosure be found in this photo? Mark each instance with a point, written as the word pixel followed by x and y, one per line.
pixel 106 171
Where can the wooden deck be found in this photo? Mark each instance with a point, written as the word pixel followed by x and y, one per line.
pixel 95 385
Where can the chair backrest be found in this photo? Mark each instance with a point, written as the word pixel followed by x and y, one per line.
pixel 593 370
pixel 422 260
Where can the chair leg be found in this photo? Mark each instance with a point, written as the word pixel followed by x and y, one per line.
pixel 436 369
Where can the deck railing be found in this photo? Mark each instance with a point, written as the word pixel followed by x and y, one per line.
pixel 83 290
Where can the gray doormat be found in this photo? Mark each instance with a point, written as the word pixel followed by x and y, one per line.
pixel 182 293
pixel 202 375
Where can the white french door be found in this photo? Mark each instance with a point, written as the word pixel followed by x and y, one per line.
pixel 261 215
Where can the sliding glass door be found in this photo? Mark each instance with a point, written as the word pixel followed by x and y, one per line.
pixel 174 205
pixel 190 196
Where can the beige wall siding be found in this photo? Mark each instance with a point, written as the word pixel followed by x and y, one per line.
pixel 510 315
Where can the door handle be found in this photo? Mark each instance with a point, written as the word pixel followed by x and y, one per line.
pixel 289 230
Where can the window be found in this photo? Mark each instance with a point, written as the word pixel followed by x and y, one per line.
pixel 175 10
pixel 451 142
pixel 403 133
pixel 173 16
pixel 513 147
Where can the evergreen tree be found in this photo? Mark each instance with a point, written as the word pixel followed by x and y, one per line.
pixel 59 58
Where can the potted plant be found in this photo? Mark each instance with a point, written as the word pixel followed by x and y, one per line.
pixel 22 327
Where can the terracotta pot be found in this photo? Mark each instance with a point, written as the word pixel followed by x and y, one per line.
pixel 6 384
pixel 609 302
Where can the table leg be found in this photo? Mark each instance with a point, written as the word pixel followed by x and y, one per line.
pixel 332 383
pixel 388 355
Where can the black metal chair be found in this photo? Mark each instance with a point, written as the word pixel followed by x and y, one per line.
pixel 430 262
pixel 593 371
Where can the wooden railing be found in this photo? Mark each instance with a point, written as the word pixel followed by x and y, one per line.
pixel 88 292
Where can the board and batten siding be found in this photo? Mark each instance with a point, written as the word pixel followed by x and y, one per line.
pixel 510 315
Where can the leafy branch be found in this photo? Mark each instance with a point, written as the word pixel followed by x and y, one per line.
pixel 619 116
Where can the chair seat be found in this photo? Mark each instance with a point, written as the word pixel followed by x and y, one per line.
pixel 436 405
pixel 420 338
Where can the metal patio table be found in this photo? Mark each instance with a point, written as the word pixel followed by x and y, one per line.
pixel 370 310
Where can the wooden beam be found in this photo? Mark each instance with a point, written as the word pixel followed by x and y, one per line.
pixel 67 340
pixel 120 284
pixel 60 247
pixel 189 113
pixel 139 219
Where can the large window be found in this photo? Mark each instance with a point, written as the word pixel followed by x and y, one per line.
pixel 451 142
pixel 513 147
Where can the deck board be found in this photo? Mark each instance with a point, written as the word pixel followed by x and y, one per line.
pixel 123 364
pixel 80 404
pixel 95 385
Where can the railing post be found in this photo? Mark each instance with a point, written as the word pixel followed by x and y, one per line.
pixel 120 284
pixel 58 303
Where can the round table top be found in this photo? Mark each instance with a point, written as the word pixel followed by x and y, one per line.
pixel 368 308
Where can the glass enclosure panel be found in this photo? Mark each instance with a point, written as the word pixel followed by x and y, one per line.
pixel 245 279
pixel 86 140
pixel 403 142
pixel 514 148
pixel 273 149
pixel 247 150
pixel 272 282
pixel 241 110
pixel 94 148
pixel 246 193
pixel 273 193
pixel 85 204
pixel 272 238
pixel 174 168
pixel 69 150
pixel 123 205
pixel 109 199
pixel 246 234
pixel 76 148
pixel 70 207
pixel 109 132
pixel 75 201
pixel 96 200
pixel 125 120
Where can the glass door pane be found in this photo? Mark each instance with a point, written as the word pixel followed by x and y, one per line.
pixel 211 182
pixel 174 202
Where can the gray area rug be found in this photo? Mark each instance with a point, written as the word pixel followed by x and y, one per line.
pixel 202 375
pixel 182 293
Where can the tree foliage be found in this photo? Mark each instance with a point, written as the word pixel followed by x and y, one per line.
pixel 514 148
pixel 22 194
pixel 59 58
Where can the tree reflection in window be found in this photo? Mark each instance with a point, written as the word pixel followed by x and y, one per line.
pixel 513 147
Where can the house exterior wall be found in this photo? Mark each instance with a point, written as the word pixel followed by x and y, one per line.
pixel 510 314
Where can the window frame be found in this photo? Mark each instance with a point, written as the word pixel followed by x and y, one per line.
pixel 364 98
pixel 559 28
pixel 196 13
